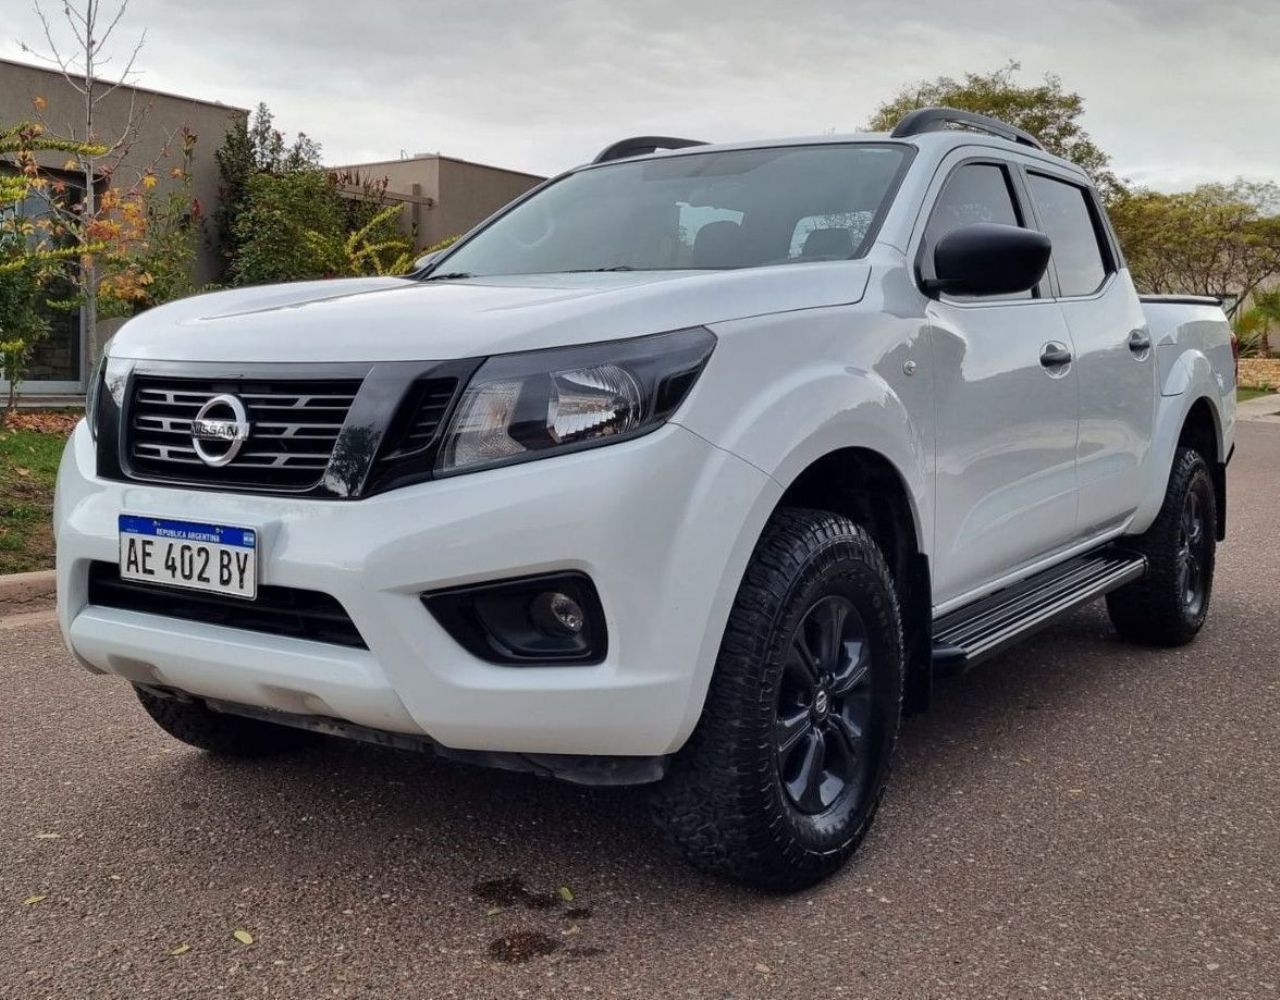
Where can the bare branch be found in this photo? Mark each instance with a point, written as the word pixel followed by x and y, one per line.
pixel 125 73
pixel 102 41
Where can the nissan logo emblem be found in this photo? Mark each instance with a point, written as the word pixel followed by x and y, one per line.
pixel 219 430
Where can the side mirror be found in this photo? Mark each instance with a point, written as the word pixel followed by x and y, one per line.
pixel 425 260
pixel 987 258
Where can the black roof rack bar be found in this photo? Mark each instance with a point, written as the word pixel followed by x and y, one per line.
pixel 642 145
pixel 936 119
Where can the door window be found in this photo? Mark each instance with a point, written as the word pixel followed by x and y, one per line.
pixel 1066 211
pixel 975 192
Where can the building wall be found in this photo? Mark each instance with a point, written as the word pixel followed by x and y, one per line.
pixel 441 196
pixel 471 192
pixel 162 117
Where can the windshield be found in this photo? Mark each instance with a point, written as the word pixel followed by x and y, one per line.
pixel 743 208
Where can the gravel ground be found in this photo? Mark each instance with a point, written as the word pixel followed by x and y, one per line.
pixel 1076 819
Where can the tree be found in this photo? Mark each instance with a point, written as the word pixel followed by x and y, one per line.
pixel 87 219
pixel 1267 304
pixel 251 148
pixel 1045 109
pixel 30 256
pixel 1219 239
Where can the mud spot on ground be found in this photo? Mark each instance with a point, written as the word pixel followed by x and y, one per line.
pixel 523 946
pixel 512 891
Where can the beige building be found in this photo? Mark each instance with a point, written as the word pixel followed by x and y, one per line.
pixel 441 196
pixel 61 360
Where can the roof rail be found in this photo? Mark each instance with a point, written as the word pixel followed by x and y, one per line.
pixel 642 145
pixel 937 119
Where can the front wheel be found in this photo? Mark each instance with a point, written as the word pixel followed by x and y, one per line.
pixel 782 778
pixel 1167 606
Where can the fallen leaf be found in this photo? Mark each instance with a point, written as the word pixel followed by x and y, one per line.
pixel 1075 791
pixel 181 949
pixel 48 836
pixel 762 968
pixel 244 937
pixel 24 472
pixel 32 900
pixel 566 894
pixel 493 911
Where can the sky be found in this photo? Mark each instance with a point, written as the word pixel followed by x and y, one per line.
pixel 1178 92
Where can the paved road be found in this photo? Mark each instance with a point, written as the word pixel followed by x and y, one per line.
pixel 1076 819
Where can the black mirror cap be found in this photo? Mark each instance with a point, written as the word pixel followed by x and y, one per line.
pixel 989 258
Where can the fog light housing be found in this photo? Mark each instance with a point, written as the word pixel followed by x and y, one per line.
pixel 547 619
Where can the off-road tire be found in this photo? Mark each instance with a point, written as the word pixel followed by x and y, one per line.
pixel 219 733
pixel 724 804
pixel 1155 610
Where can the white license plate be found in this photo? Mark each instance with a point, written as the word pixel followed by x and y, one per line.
pixel 210 557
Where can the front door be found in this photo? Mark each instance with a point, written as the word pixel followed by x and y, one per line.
pixel 1007 407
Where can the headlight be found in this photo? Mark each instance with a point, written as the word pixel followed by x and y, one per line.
pixel 524 406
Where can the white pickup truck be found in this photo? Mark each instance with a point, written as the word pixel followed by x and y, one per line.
pixel 691 467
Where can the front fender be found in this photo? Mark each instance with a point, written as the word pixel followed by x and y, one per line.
pixel 762 401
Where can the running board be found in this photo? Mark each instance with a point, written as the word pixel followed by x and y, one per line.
pixel 962 638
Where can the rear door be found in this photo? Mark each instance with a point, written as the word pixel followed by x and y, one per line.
pixel 1115 358
pixel 1006 441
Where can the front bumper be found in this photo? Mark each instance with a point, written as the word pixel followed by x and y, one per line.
pixel 664 526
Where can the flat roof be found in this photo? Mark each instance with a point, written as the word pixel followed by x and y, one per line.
pixel 57 74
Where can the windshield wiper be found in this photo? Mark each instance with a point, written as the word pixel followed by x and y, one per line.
pixel 597 270
pixel 448 276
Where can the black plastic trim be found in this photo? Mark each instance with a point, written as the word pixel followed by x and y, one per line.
pixel 642 145
pixel 282 611
pixel 594 770
pixel 455 608
pixel 937 119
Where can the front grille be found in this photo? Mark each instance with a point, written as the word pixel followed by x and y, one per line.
pixel 285 611
pixel 429 401
pixel 294 425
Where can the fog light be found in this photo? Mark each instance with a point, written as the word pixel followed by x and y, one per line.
pixel 557 614
pixel 552 618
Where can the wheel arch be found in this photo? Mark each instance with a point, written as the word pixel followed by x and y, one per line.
pixel 1191 418
pixel 1202 429
pixel 868 488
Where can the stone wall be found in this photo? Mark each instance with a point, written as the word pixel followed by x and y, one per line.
pixel 1260 373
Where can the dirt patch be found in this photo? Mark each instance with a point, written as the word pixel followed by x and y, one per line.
pixel 523 946
pixel 512 891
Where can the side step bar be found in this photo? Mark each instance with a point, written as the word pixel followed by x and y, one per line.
pixel 963 637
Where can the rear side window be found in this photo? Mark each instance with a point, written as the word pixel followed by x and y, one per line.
pixel 975 192
pixel 1067 214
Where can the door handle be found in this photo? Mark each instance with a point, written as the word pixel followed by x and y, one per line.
pixel 1139 342
pixel 1055 355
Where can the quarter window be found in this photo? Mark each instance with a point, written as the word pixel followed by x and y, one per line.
pixel 1067 214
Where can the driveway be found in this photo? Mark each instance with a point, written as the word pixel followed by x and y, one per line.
pixel 1075 819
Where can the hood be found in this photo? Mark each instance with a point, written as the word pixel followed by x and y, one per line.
pixel 395 319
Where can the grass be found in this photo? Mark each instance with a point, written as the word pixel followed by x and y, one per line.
pixel 28 467
pixel 1244 394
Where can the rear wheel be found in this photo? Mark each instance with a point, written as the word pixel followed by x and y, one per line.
pixel 219 733
pixel 779 783
pixel 1167 606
